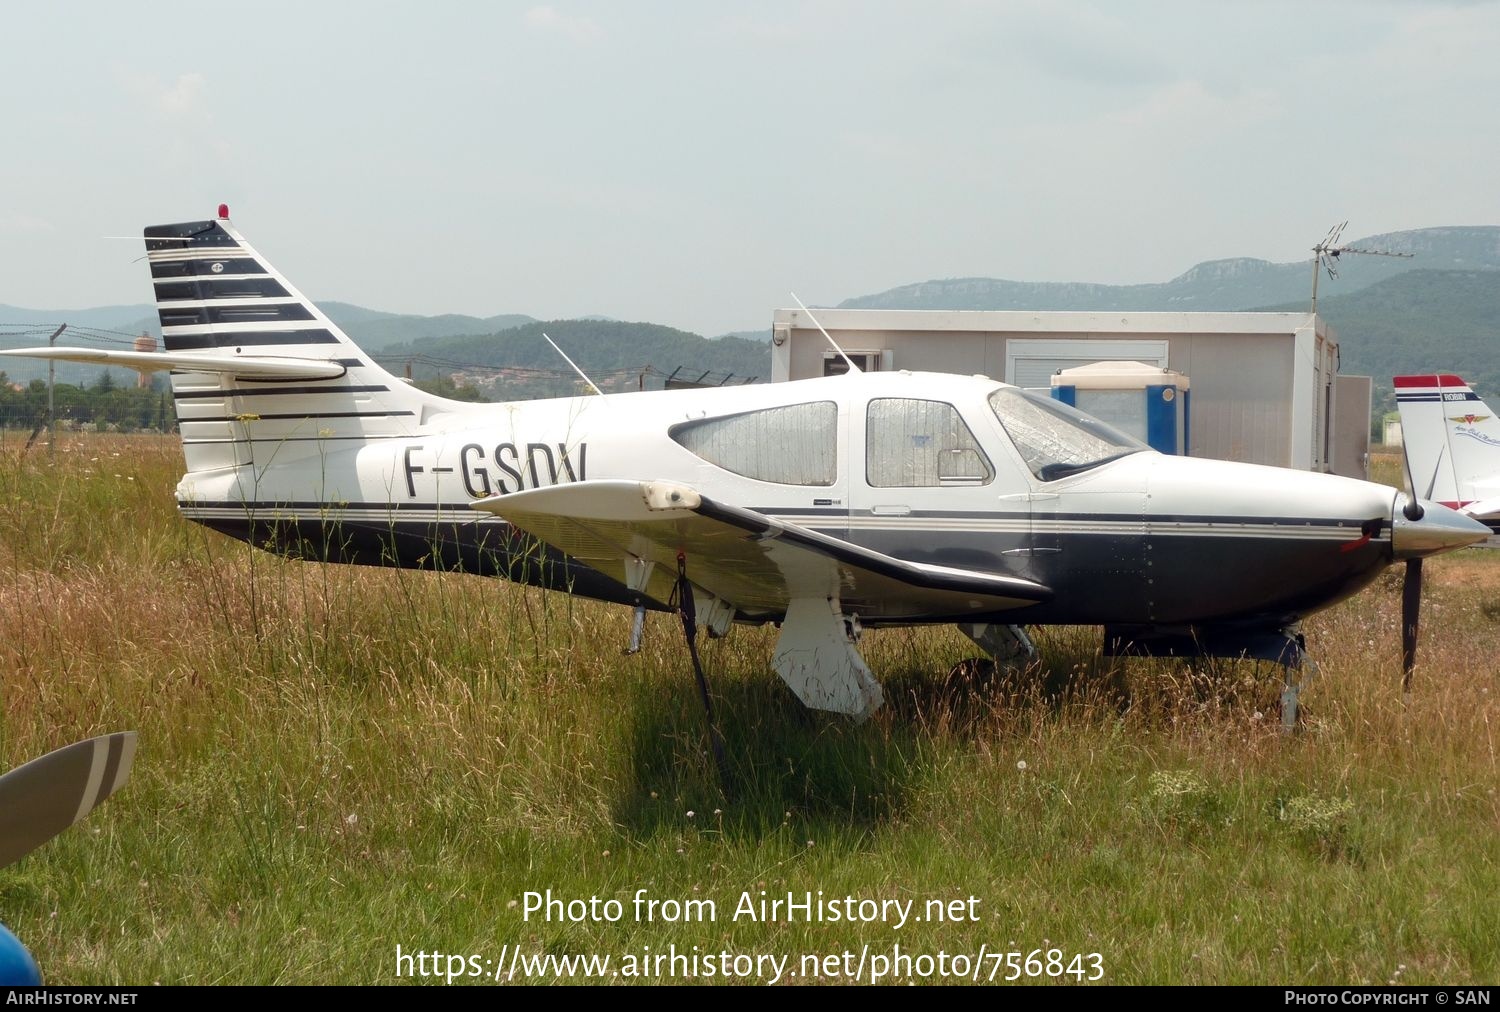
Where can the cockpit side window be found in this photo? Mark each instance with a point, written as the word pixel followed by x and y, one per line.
pixel 792 445
pixel 912 443
pixel 1057 440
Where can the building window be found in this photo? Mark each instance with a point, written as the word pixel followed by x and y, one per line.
pixel 792 445
pixel 913 443
pixel 834 364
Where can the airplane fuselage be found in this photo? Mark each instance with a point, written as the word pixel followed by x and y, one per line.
pixel 824 505
pixel 1142 539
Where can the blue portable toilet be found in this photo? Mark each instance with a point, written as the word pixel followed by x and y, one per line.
pixel 1145 401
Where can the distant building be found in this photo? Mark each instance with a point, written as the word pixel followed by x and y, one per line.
pixel 1391 432
pixel 145 343
pixel 1265 386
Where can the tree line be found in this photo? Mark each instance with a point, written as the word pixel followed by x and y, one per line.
pixel 106 405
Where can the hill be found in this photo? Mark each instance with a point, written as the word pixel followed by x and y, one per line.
pixel 519 362
pixel 1232 284
pixel 372 329
pixel 1418 321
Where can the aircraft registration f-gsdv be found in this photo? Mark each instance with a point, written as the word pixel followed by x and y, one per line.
pixel 824 505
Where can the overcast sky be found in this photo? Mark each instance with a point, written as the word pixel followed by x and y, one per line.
pixel 692 163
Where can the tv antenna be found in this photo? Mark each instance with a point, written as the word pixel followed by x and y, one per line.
pixel 1327 253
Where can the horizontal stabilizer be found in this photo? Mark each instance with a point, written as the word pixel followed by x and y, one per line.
pixel 757 563
pixel 1485 510
pixel 247 366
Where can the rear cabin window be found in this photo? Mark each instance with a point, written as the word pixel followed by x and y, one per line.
pixel 792 445
pixel 912 443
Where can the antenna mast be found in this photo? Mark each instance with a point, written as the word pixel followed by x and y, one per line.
pixel 570 362
pixel 847 360
pixel 1327 252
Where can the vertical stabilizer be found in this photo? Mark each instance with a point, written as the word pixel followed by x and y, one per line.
pixel 217 296
pixel 1452 439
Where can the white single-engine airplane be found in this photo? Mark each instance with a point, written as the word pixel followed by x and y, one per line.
pixel 825 505
pixel 1452 442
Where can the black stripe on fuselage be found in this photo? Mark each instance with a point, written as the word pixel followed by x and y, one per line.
pixel 295 415
pixel 207 288
pixel 279 440
pixel 294 439
pixel 481 546
pixel 911 521
pixel 318 505
pixel 251 312
pixel 277 392
pixel 1099 578
pixel 251 339
pixel 1292 523
pixel 162 270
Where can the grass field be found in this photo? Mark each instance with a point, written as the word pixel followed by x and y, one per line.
pixel 337 761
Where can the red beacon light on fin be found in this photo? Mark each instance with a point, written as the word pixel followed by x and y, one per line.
pixel 224 211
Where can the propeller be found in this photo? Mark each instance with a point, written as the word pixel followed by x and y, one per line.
pixel 1411 584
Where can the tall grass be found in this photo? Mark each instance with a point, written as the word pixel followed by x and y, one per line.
pixel 336 760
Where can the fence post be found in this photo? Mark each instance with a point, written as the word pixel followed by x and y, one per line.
pixel 51 382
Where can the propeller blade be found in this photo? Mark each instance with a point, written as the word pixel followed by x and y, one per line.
pixel 1411 608
pixel 47 795
pixel 1413 509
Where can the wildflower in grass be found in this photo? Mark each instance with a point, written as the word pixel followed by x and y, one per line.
pixel 1021 765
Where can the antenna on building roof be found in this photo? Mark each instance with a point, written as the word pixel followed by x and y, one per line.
pixel 1327 252
pixel 852 367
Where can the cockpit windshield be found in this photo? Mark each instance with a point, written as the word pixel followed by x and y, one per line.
pixel 1056 439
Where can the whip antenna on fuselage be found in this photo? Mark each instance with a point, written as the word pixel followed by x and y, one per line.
pixel 814 319
pixel 570 362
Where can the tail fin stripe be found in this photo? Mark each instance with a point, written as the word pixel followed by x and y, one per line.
pixel 184 268
pixel 250 338
pixel 184 235
pixel 175 316
pixel 1454 397
pixel 252 286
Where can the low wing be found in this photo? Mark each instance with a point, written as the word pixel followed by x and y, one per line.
pixel 745 558
pixel 248 366
pixel 47 795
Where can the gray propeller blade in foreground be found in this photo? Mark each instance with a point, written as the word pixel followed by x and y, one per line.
pixel 47 795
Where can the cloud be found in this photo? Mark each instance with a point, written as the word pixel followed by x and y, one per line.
pixel 577 29
pixel 179 111
pixel 25 225
pixel 182 102
pixel 182 98
pixel 1191 105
